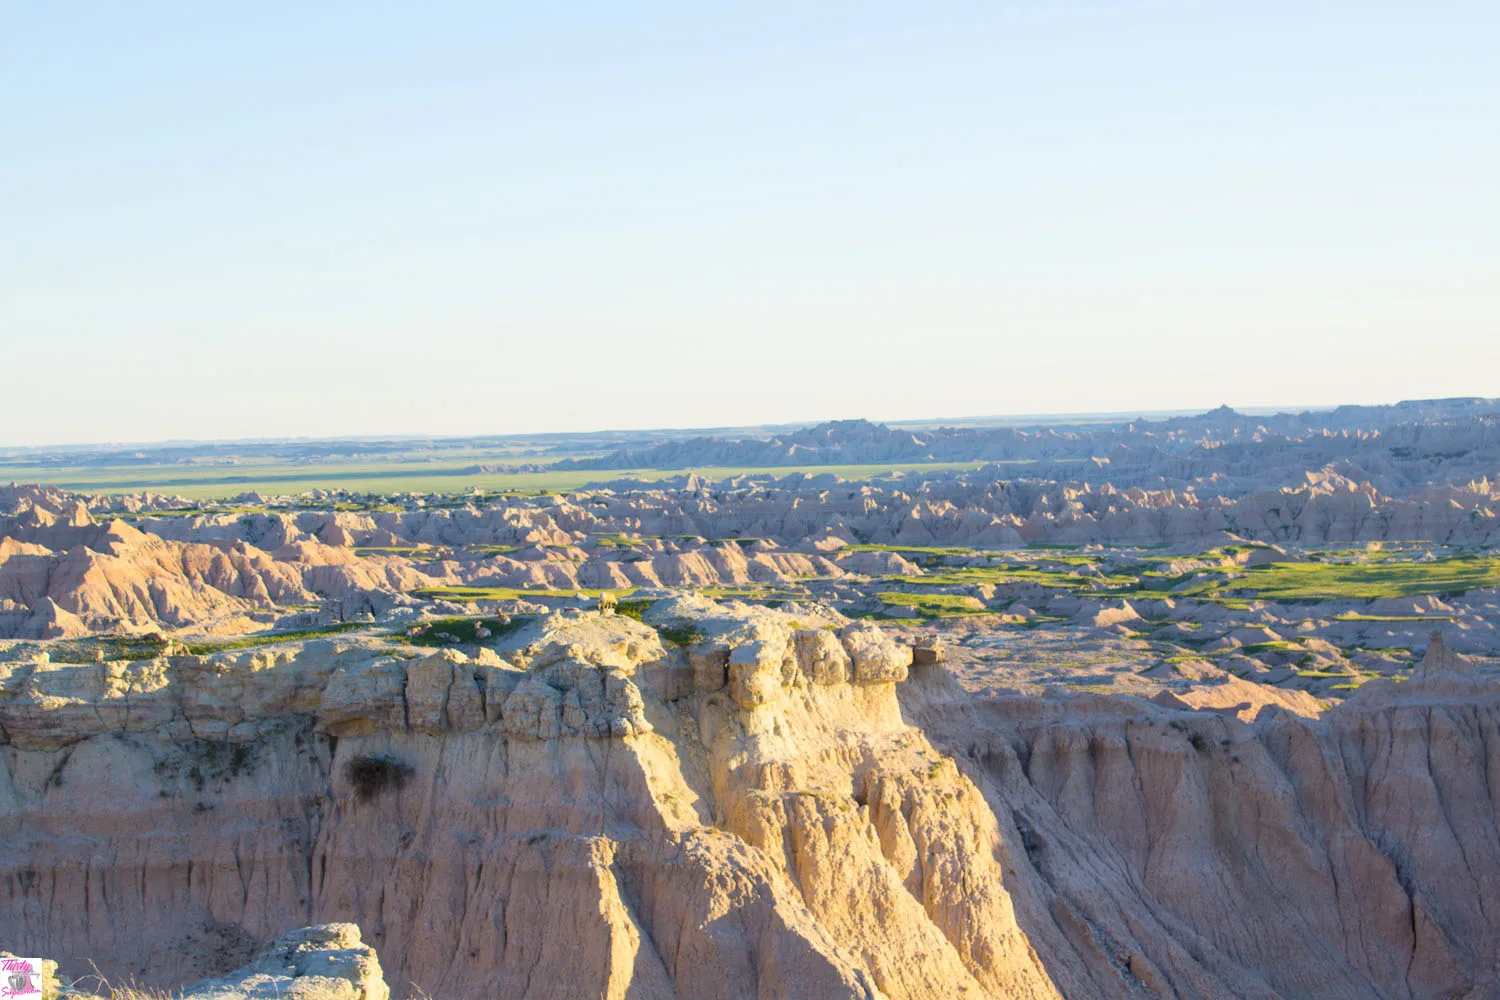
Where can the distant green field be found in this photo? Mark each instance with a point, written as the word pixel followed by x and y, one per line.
pixel 200 482
pixel 933 605
pixel 919 550
pixel 468 595
pixel 1321 581
pixel 1229 585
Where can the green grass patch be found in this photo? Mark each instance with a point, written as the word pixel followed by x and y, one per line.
pixel 1064 559
pixel 921 550
pixel 271 638
pixel 680 632
pixel 493 550
pixel 446 631
pixel 1177 658
pixel 1311 582
pixel 619 542
pixel 110 648
pixel 1275 646
pixel 632 609
pixel 1064 579
pixel 449 476
pixel 934 605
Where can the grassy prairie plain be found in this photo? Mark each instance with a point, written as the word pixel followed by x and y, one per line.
pixel 214 481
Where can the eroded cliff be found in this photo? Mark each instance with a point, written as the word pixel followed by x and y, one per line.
pixel 596 813
pixel 765 805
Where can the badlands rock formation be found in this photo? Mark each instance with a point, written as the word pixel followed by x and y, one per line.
pixel 1420 471
pixel 597 814
pixel 1289 858
pixel 73 566
pixel 1166 761
pixel 983 508
pixel 63 573
pixel 1411 443
pixel 328 962
pixel 785 806
pixel 70 565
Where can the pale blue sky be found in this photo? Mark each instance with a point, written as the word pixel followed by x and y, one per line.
pixel 341 218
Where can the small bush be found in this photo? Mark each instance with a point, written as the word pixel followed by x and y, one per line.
pixel 632 609
pixel 373 775
pixel 680 633
pixel 109 648
pixel 1194 738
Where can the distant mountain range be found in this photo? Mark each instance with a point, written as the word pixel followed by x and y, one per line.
pixel 1446 428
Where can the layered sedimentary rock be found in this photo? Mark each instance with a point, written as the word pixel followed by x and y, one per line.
pixel 1194 855
pixel 65 573
pixel 984 508
pixel 72 565
pixel 782 806
pixel 594 814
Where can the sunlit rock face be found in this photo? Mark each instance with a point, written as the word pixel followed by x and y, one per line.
pixel 784 805
pixel 585 809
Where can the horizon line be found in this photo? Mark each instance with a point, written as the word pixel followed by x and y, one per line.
pixel 1004 419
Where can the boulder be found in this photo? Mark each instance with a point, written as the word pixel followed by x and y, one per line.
pixel 821 657
pixel 876 657
pixel 326 962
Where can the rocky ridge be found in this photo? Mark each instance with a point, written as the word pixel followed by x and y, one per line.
pixel 691 809
pixel 1437 441
pixel 72 565
pixel 784 805
pixel 326 962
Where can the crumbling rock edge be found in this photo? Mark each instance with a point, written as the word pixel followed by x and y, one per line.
pixel 779 808
pixel 326 962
